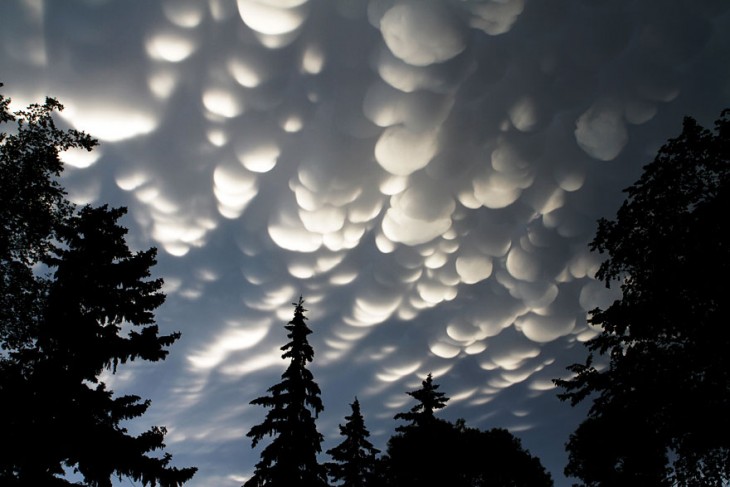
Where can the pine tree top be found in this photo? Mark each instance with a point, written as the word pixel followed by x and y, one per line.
pixel 429 400
pixel 298 349
pixel 294 403
pixel 354 459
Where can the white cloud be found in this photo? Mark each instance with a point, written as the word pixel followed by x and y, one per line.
pixel 427 174
pixel 422 32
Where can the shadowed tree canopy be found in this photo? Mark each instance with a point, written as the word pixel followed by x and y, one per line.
pixel 424 437
pixel 659 412
pixel 93 311
pixel 33 206
pixel 354 458
pixel 432 451
pixel 291 457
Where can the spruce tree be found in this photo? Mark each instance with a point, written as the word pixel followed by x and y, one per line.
pixel 406 463
pixel 466 457
pixel 429 400
pixel 90 309
pixel 294 403
pixel 354 458
pixel 60 412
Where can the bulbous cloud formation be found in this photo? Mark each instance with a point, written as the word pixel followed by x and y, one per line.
pixel 426 173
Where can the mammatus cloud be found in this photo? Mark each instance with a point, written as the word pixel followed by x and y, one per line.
pixel 426 173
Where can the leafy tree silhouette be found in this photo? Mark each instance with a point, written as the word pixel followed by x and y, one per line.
pixel 58 413
pixel 495 458
pixel 291 457
pixel 659 408
pixel 33 206
pixel 354 458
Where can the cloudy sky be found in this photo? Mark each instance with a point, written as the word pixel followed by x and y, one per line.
pixel 426 173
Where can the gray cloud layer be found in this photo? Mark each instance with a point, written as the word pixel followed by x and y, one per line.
pixel 426 173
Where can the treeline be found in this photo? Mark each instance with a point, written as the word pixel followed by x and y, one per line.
pixel 425 450
pixel 659 403
pixel 76 302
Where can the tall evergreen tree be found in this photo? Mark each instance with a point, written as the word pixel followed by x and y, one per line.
pixel 294 403
pixel 92 312
pixel 429 400
pixel 354 458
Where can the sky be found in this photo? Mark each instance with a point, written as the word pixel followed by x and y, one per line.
pixel 427 174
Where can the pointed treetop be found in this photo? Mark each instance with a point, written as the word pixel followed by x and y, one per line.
pixel 354 458
pixel 429 400
pixel 298 349
pixel 294 403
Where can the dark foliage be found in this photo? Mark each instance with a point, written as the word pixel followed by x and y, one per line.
pixel 429 400
pixel 33 205
pixel 460 457
pixel 93 312
pixel 431 451
pixel 354 458
pixel 659 409
pixel 291 457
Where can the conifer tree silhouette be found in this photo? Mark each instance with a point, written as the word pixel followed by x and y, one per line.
pixel 294 403
pixel 432 451
pixel 91 311
pixel 354 458
pixel 429 400
pixel 406 462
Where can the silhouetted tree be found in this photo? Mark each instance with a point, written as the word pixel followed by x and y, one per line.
pixel 33 205
pixel 354 458
pixel 291 457
pixel 420 455
pixel 496 458
pixel 429 400
pixel 461 457
pixel 432 451
pixel 81 320
pixel 423 437
pixel 659 408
